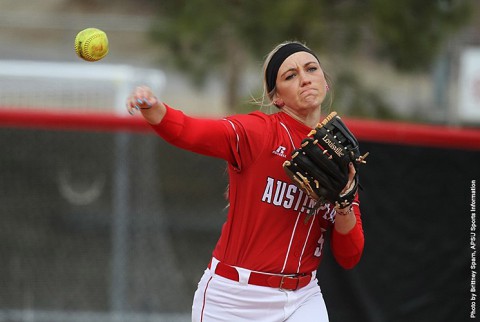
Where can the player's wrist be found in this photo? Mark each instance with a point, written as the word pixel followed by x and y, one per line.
pixel 344 211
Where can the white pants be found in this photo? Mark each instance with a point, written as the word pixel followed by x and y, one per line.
pixel 220 299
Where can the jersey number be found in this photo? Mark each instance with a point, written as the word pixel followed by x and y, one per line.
pixel 318 250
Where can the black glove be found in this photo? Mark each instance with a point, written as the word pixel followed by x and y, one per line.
pixel 320 167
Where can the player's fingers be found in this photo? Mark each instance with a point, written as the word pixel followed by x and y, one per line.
pixel 135 100
pixel 151 100
pixel 351 177
pixel 141 98
pixel 351 171
pixel 129 106
pixel 144 92
pixel 144 103
pixel 144 97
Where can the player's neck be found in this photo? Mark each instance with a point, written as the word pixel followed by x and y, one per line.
pixel 310 118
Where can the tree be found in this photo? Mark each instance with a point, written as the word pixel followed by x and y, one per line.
pixel 206 36
pixel 410 32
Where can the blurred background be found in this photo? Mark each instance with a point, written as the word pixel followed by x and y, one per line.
pixel 102 221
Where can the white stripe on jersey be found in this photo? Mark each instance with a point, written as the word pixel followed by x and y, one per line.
pixel 235 130
pixel 290 243
pixel 305 244
pixel 288 132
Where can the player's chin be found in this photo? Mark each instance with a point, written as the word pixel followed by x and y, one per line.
pixel 311 102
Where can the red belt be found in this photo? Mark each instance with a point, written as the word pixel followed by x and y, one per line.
pixel 285 282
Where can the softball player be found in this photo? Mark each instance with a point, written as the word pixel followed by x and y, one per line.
pixel 263 267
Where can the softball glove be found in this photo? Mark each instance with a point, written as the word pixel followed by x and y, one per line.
pixel 320 167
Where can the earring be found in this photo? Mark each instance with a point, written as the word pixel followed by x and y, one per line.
pixel 327 87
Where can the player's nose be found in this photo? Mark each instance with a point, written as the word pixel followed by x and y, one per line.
pixel 304 79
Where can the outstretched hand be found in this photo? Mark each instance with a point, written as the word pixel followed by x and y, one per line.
pixel 144 100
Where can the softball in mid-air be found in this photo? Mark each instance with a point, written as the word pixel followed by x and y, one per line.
pixel 91 44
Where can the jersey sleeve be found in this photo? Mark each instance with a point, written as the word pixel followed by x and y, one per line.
pixel 348 248
pixel 233 139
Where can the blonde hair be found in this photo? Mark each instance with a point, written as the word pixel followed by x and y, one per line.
pixel 267 98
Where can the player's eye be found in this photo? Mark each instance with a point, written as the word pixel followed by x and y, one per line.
pixel 290 76
pixel 312 69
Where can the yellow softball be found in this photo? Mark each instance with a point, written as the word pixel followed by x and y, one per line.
pixel 91 44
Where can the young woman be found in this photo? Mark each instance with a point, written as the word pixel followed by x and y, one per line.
pixel 263 267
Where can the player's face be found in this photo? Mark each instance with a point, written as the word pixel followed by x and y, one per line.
pixel 301 82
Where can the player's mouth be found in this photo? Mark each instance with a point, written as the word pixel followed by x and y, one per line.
pixel 308 91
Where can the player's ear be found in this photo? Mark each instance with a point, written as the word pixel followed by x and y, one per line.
pixel 278 102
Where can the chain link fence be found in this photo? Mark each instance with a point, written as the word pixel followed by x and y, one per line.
pixel 111 223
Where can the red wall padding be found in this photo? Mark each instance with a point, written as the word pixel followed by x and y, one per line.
pixel 364 130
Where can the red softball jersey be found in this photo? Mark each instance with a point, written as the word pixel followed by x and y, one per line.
pixel 265 229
